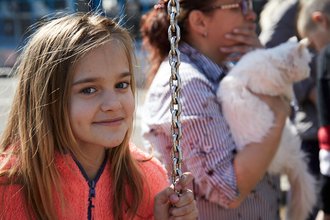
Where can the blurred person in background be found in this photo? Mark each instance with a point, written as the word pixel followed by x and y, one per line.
pixel 314 23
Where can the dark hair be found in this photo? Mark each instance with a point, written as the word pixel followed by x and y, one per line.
pixel 154 26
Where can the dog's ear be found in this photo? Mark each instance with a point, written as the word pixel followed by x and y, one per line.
pixel 303 50
pixel 302 47
pixel 305 42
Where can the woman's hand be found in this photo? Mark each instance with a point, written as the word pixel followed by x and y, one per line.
pixel 246 38
pixel 280 105
pixel 169 205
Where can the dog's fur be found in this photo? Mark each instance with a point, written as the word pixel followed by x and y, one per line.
pixel 271 72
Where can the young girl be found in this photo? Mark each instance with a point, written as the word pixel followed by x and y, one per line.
pixel 65 152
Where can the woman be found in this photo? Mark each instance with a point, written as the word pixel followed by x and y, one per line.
pixel 229 184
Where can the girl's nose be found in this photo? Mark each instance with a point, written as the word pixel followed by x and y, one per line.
pixel 110 102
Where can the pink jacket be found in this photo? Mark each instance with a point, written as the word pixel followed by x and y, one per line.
pixel 76 191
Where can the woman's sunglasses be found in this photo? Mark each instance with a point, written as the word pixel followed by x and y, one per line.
pixel 245 5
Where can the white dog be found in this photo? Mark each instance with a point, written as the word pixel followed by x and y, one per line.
pixel 271 72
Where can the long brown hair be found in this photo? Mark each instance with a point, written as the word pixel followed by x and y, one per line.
pixel 38 124
pixel 154 25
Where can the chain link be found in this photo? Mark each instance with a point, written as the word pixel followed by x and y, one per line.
pixel 174 35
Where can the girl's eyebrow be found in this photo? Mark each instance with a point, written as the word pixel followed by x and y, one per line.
pixel 125 74
pixel 94 79
pixel 87 80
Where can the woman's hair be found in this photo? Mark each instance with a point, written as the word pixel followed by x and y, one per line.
pixel 154 26
pixel 38 124
pixel 305 24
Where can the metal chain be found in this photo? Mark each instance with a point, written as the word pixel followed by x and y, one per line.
pixel 173 9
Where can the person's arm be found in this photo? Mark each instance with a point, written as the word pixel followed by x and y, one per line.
pixel 168 205
pixel 252 162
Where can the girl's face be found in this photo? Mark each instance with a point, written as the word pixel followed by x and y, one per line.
pixel 101 102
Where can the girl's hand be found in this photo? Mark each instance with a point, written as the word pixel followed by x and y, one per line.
pixel 246 40
pixel 169 205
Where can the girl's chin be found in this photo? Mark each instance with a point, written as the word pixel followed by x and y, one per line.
pixel 113 144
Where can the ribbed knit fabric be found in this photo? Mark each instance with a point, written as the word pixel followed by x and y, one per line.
pixel 76 190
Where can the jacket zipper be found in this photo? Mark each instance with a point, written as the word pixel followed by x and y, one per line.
pixel 91 195
pixel 92 184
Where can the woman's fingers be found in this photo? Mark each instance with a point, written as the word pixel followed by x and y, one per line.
pixel 238 49
pixel 242 39
pixel 246 40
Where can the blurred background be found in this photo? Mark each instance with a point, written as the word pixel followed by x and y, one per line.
pixel 17 16
pixel 18 19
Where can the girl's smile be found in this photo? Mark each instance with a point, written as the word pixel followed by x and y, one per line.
pixel 110 122
pixel 102 101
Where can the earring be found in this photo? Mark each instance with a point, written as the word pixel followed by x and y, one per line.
pixel 205 34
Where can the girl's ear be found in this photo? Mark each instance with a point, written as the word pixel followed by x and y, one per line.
pixel 320 19
pixel 198 22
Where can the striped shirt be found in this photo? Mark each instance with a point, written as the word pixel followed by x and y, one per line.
pixel 208 147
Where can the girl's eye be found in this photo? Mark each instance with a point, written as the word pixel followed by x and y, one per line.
pixel 122 85
pixel 87 91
